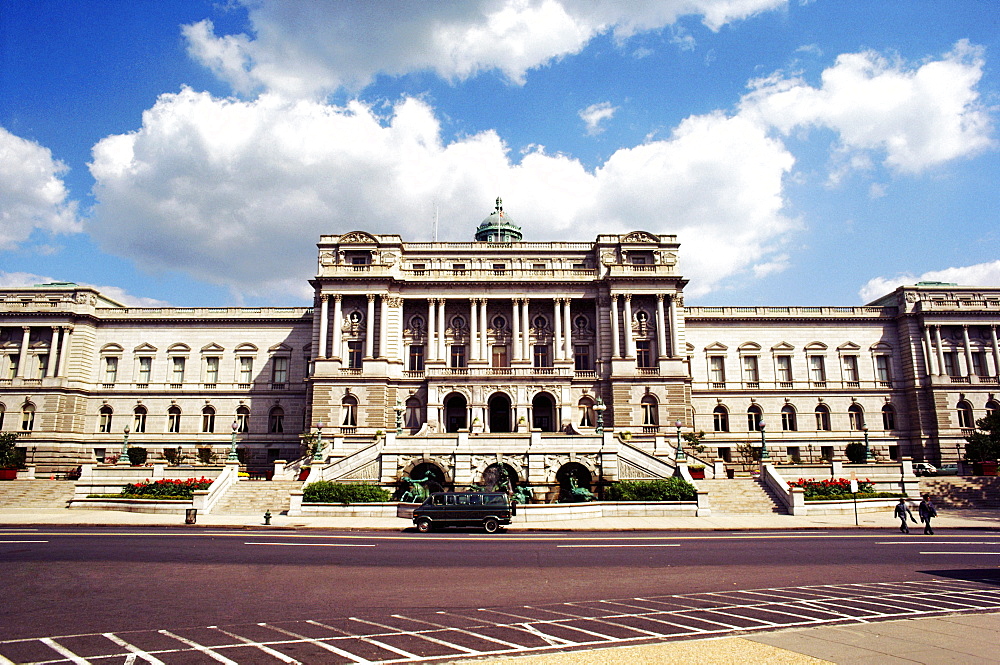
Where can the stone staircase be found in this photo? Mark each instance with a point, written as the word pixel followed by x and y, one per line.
pixel 254 497
pixel 35 494
pixel 963 492
pixel 736 496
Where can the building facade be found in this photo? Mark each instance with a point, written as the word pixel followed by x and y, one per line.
pixel 454 357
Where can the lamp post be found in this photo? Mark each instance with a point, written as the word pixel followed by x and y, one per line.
pixel 761 425
pixel 868 453
pixel 233 458
pixel 123 458
pixel 681 455
pixel 399 418
pixel 318 452
pixel 599 408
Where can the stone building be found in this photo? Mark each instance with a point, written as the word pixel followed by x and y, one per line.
pixel 551 359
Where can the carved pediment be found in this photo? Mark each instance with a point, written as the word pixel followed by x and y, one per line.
pixel 640 236
pixel 358 238
pixel 716 346
pixel 848 346
pixel 783 346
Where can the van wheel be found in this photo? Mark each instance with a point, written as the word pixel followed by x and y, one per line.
pixel 423 525
pixel 490 524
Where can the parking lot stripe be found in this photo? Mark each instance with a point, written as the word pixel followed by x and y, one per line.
pixel 257 645
pixel 132 648
pixel 200 647
pixel 64 651
pixel 320 643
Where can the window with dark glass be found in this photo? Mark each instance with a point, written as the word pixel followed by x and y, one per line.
pixel 500 356
pixel 643 353
pixel 416 357
pixel 542 356
pixel 354 356
pixel 720 419
pixel 581 357
pixel 458 355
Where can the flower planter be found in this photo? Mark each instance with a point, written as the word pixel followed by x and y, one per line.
pixel 8 474
pixel 697 474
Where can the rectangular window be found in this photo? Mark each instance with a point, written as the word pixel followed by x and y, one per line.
pixel 978 363
pixel 139 422
pixel 499 268
pixel 542 357
pixel 751 373
pixel 245 368
pixel 178 369
pixel 354 355
pixel 883 369
pixel 500 356
pixel 951 363
pixel 43 365
pixel 717 371
pixel 12 363
pixel 643 353
pixel 110 370
pixel 581 357
pixel 817 369
pixel 416 357
pixel 458 355
pixel 279 370
pixel 784 365
pixel 419 268
pixel 851 369
pixel 211 369
pixel 145 369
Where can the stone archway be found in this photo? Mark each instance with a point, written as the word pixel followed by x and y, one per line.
pixel 543 413
pixel 456 412
pixel 567 474
pixel 499 413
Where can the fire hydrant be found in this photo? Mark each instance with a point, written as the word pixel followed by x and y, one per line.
pixel 267 517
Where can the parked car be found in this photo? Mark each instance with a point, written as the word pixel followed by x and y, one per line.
pixel 488 509
pixel 924 469
pixel 947 470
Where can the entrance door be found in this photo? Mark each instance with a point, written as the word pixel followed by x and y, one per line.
pixel 499 413
pixel 455 412
pixel 543 413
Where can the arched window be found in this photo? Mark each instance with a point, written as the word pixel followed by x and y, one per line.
pixel 754 416
pixel 104 424
pixel 720 419
pixel 856 415
pixel 411 417
pixel 992 407
pixel 789 423
pixel 208 419
pixel 649 410
pixel 586 412
pixel 174 419
pixel 822 418
pixel 349 409
pixel 888 417
pixel 27 417
pixel 139 419
pixel 965 418
pixel 242 420
pixel 276 420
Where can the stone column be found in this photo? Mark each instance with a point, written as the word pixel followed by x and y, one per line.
pixel 929 352
pixel 401 340
pixel 557 341
pixel 661 337
pixel 526 333
pixel 940 351
pixel 996 351
pixel 629 339
pixel 383 326
pixel 54 352
pixel 324 313
pixel 598 337
pixel 61 366
pixel 968 350
pixel 473 329
pixel 675 346
pixel 515 323
pixel 442 327
pixel 370 328
pixel 568 329
pixel 484 336
pixel 431 327
pixel 615 344
pixel 23 355
pixel 338 325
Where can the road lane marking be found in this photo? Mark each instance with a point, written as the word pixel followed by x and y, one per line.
pixel 990 553
pixel 314 544
pixel 48 641
pixel 134 650
pixel 938 542
pixel 627 545
pixel 9 542
pixel 200 647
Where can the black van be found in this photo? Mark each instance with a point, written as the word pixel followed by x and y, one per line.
pixel 489 509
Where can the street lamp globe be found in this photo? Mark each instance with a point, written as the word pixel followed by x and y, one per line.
pixel 761 425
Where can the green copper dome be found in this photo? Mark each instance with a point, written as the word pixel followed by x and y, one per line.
pixel 498 227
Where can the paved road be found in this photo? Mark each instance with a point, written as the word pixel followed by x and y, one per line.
pixel 76 593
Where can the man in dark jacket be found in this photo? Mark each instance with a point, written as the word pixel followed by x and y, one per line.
pixel 926 511
pixel 902 512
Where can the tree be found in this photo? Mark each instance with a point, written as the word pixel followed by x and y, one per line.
pixel 10 456
pixel 984 443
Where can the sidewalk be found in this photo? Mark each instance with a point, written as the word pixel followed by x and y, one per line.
pixel 950 519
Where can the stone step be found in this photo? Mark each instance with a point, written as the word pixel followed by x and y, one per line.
pixel 740 496
pixel 967 492
pixel 26 494
pixel 251 498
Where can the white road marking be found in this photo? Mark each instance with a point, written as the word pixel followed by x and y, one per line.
pixel 549 639
pixel 460 630
pixel 321 644
pixel 938 542
pixel 64 651
pixel 8 542
pixel 314 544
pixel 263 647
pixel 639 545
pixel 135 651
pixel 989 553
pixel 200 647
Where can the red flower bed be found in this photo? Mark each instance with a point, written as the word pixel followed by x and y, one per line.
pixel 835 488
pixel 166 488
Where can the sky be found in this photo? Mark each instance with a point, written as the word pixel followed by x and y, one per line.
pixel 804 152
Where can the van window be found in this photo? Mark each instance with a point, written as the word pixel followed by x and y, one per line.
pixel 451 499
pixel 463 500
pixel 475 500
pixel 494 499
pixel 438 500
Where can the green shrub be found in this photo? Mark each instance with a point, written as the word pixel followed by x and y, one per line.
pixel 206 455
pixel 165 488
pixel 137 456
pixel 855 452
pixel 671 489
pixel 326 491
pixel 11 457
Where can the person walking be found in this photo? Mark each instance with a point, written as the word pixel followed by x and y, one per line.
pixel 926 511
pixel 902 512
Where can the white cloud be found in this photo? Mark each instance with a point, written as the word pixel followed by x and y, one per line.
pixel 980 274
pixel 305 48
pixel 236 192
pixel 595 114
pixel 917 117
pixel 23 279
pixel 32 193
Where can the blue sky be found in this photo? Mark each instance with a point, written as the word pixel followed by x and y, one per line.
pixel 805 152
